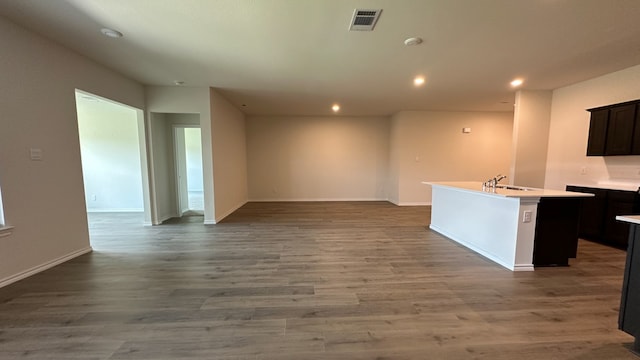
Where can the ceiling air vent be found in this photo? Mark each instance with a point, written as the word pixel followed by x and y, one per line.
pixel 364 19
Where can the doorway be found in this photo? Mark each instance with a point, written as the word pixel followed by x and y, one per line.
pixel 189 176
pixel 177 167
pixel 113 157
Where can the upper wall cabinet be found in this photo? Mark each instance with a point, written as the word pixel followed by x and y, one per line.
pixel 615 130
pixel 597 132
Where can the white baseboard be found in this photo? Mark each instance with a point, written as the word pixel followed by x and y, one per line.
pixel 315 200
pixel 36 269
pixel 405 203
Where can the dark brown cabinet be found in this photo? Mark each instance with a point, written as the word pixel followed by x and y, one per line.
pixel 598 215
pixel 591 224
pixel 556 237
pixel 614 130
pixel 620 130
pixel 635 143
pixel 597 132
pixel 629 318
pixel 618 203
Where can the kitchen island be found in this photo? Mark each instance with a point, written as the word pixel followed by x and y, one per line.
pixel 501 223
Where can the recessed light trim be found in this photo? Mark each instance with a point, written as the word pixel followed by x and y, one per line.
pixel 517 82
pixel 413 41
pixel 335 107
pixel 111 33
pixel 178 82
pixel 419 81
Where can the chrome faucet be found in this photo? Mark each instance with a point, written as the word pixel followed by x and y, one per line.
pixel 493 182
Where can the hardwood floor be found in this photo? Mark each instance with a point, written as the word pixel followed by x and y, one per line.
pixel 308 281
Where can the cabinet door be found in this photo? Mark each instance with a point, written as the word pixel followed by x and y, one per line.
pixel 618 203
pixel 620 130
pixel 592 213
pixel 556 237
pixel 597 132
pixel 635 146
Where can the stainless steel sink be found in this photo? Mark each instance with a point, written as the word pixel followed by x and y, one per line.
pixel 509 187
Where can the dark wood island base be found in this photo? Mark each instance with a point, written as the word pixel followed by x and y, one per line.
pixel 629 318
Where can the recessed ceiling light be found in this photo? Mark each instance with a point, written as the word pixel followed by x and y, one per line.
pixel 412 41
pixel 178 82
pixel 111 33
pixel 418 81
pixel 517 82
pixel 335 108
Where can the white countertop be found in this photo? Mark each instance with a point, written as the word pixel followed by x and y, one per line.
pixel 634 219
pixel 476 186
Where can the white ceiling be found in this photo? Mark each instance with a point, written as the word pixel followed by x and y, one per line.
pixel 297 57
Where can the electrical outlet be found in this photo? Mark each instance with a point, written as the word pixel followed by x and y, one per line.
pixel 94 197
pixel 526 216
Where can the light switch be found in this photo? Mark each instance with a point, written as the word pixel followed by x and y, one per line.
pixel 466 130
pixel 527 216
pixel 35 154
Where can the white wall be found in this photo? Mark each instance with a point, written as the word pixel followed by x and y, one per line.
pixel 317 158
pixel 228 131
pixel 430 146
pixel 44 200
pixel 569 130
pixel 530 138
pixel 110 155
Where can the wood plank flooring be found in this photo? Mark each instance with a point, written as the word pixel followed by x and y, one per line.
pixel 308 281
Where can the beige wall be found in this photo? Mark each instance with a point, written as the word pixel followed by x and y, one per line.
pixel 229 156
pixel 530 138
pixel 317 158
pixel 44 200
pixel 569 130
pixel 430 146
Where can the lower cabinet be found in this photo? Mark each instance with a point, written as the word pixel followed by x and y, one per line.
pixel 618 203
pixel 556 238
pixel 598 215
pixel 629 319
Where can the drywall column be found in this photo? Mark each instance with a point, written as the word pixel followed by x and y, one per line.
pixel 395 154
pixel 531 121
